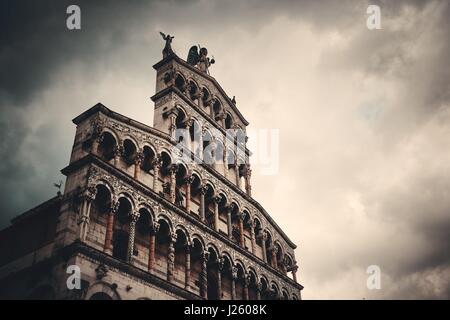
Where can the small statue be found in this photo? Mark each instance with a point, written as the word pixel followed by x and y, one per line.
pixel 179 198
pixel 201 59
pixel 167 51
pixel 233 100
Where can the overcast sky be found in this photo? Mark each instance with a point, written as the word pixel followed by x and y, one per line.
pixel 364 118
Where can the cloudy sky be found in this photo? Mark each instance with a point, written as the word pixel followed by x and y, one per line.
pixel 364 118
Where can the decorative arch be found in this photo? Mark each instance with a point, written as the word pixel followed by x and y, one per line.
pixel 102 287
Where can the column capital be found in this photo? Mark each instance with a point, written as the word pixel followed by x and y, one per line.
pixel 90 193
pixel 203 189
pixel 139 157
pixel 217 199
pixel 135 216
pixel 205 256
pixel 240 216
pixel 234 272
pixel 154 227
pixel 114 206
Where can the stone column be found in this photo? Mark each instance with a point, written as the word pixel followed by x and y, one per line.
pixel 151 250
pixel 246 283
pixel 187 276
pixel 109 227
pixel 84 215
pixel 236 171
pixel 96 143
pixel 225 159
pixel 137 165
pixel 117 154
pixel 248 187
pixel 204 275
pixel 216 212
pixel 264 250
pixel 219 278
pixel 241 230
pixel 252 236
pixel 172 125
pixel 171 256
pixel 156 168
pixel 258 291
pixel 173 181
pixel 134 219
pixel 294 272
pixel 230 226
pixel 234 271
pixel 189 180
pixel 274 257
pixel 200 143
pixel 202 203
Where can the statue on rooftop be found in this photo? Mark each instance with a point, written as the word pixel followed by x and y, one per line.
pixel 201 59
pixel 167 51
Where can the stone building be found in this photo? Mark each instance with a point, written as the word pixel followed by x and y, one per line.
pixel 142 222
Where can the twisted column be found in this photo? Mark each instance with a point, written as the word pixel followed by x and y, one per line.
pixel 134 219
pixel 171 256
pixel 204 275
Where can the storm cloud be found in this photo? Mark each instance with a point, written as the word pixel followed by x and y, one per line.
pixel 364 118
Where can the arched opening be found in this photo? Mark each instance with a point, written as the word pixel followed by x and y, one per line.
pixel 196 265
pixel 207 152
pixel 275 292
pixel 219 152
pixel 228 121
pixel 100 207
pixel 100 296
pixel 195 132
pixel 107 146
pixel 148 159
pixel 247 230
pixel 195 195
pixel 226 278
pixel 242 171
pixel 194 92
pixel 142 237
pixel 212 275
pixel 129 151
pixel 265 291
pixel 164 174
pixel 269 249
pixel 206 100
pixel 121 229
pixel 258 238
pixel 284 295
pixel 279 257
pixel 209 206
pixel 235 233
pixel 180 257
pixel 240 282
pixel 223 214
pixel 180 192
pixel 217 109
pixel 162 248
pixel 180 83
pixel 231 163
pixel 252 286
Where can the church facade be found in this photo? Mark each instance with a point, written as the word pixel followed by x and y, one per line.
pixel 162 212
